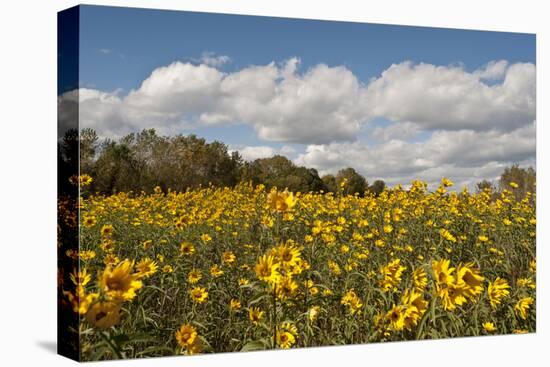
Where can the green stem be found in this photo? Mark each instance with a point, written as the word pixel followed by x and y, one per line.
pixel 107 337
pixel 275 316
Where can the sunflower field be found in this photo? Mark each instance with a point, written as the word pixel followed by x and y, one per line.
pixel 246 268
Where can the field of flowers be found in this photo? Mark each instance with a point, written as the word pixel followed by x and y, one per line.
pixel 221 270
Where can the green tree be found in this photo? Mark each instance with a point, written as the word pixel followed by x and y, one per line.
pixel 355 183
pixel 523 178
pixel 330 182
pixel 485 185
pixel 279 171
pixel 377 187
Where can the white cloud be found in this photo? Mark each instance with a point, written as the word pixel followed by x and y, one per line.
pixel 465 156
pixel 476 121
pixel 251 153
pixel 448 97
pixel 211 59
pixel 494 70
pixel 399 131
pixel 322 105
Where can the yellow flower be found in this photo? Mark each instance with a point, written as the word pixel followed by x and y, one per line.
pixel 194 348
pixel 396 317
pixel 470 279
pixel 103 315
pixel 287 254
pixel 234 304
pixel 497 290
pixel 80 301
pixel 267 269
pixel 83 180
pixel 526 283
pixel 147 244
pixel 452 295
pixel 194 276
pixel 107 245
pixel 205 237
pixel 482 238
pixel 351 300
pixel 522 307
pixel 80 277
pixel 286 287
pixel 255 315
pixel 119 283
pixel 489 327
pixel 286 335
pixel 167 269
pixel 447 235
pixel 334 267
pixel 186 335
pixel 187 248
pixel 312 313
pixel 281 201
pixel 146 267
pixel 243 281
pixel 327 292
pixel 415 306
pixel 89 221
pixel 285 339
pixel 446 182
pixel 392 273
pixel 420 279
pixel 533 266
pixel 198 294
pixel 311 288
pixel 229 257
pixel 107 230
pixel 111 260
pixel 443 273
pixel 216 271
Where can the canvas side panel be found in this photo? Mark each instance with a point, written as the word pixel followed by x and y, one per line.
pixel 67 181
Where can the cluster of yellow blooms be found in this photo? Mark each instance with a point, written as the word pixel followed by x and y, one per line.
pixel 243 268
pixel 115 285
pixel 189 340
pixel 277 269
pixel 455 289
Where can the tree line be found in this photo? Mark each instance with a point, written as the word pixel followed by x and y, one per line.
pixel 144 160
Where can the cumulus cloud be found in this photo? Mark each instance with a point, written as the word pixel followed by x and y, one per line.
pixel 322 105
pixel 465 155
pixel 211 59
pixel 474 122
pixel 251 153
pixel 399 131
pixel 450 98
pixel 493 70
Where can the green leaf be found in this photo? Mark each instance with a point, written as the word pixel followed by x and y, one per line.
pixel 253 345
pixel 258 298
pixel 120 339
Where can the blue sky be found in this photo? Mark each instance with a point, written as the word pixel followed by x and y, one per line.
pixel 121 47
pixel 140 40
